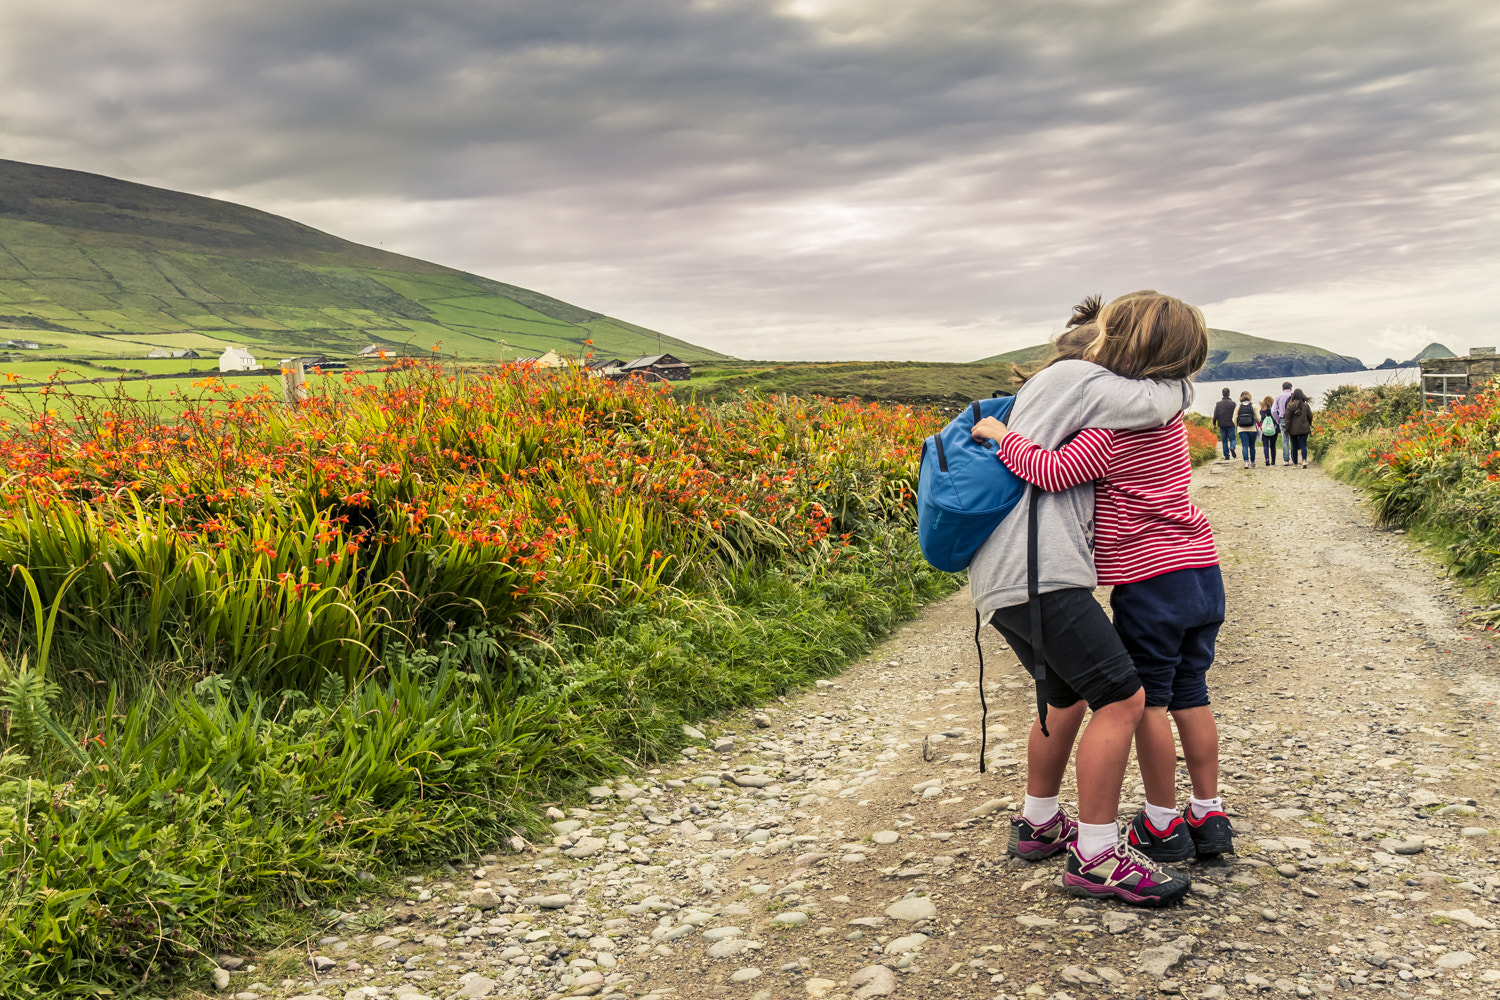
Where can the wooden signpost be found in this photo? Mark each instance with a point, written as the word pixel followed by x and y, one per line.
pixel 293 384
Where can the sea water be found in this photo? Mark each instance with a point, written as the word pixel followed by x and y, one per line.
pixel 1314 386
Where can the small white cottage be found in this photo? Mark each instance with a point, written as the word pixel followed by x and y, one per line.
pixel 237 359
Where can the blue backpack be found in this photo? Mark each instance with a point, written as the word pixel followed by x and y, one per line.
pixel 963 492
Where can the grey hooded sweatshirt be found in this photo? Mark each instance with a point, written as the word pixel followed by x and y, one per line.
pixel 1056 402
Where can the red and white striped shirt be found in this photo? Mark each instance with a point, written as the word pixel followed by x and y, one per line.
pixel 1144 523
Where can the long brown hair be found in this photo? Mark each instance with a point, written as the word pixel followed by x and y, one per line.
pixel 1148 335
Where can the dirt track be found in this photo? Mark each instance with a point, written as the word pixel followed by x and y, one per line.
pixel 1356 714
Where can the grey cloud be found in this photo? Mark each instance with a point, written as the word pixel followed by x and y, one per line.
pixel 723 164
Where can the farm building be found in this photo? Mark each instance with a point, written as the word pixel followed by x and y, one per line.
pixel 314 361
pixel 237 359
pixel 22 345
pixel 1449 380
pixel 604 366
pixel 661 365
pixel 549 360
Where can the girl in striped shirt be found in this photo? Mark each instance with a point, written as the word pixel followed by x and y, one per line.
pixel 1155 547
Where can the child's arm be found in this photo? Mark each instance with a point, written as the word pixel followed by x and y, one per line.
pixel 1083 459
pixel 1109 400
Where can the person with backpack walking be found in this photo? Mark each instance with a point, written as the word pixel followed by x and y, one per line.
pixel 1278 410
pixel 1084 664
pixel 1224 420
pixel 1298 424
pixel 1270 430
pixel 1248 424
pixel 1157 551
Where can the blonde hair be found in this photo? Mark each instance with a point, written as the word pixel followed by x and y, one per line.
pixel 1147 335
pixel 1268 402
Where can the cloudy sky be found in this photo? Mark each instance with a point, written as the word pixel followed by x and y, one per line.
pixel 934 179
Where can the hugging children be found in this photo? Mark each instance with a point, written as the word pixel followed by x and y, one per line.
pixel 1098 434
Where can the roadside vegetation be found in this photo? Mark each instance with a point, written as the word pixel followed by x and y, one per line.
pixel 1435 474
pixel 249 657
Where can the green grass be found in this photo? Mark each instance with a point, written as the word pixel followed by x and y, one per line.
pixel 203 821
pixel 88 262
pixel 912 382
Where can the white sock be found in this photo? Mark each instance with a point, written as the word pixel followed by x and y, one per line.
pixel 1039 810
pixel 1161 817
pixel 1096 838
pixel 1202 807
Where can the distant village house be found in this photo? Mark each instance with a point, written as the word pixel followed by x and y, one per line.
pixel 164 352
pixel 663 366
pixel 22 345
pixel 604 366
pixel 314 361
pixel 237 359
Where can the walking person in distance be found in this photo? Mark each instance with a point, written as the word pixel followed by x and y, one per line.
pixel 1224 421
pixel 1270 430
pixel 1247 422
pixel 1298 424
pixel 1278 410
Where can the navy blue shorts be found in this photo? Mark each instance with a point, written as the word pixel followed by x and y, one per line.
pixel 1169 624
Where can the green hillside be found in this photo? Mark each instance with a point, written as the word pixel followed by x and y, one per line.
pixel 91 266
pixel 941 384
pixel 1232 355
pixel 1434 350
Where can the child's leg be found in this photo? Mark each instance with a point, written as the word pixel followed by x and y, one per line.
pixel 1086 661
pixel 1156 752
pixel 1102 755
pixel 1200 746
pixel 1047 756
pixel 1190 704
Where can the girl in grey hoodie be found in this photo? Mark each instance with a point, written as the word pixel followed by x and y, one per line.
pixel 1084 665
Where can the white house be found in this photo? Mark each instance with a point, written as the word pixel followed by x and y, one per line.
pixel 237 359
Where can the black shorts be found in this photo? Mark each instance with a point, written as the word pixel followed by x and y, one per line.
pixel 1085 657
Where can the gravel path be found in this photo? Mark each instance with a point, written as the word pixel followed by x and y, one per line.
pixel 843 844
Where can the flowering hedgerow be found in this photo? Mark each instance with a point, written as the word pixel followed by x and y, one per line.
pixel 285 543
pixel 1436 470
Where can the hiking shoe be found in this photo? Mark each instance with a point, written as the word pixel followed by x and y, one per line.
pixel 1037 842
pixel 1126 874
pixel 1212 835
pixel 1174 843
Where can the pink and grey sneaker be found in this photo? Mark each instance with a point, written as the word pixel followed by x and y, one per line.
pixel 1126 874
pixel 1040 841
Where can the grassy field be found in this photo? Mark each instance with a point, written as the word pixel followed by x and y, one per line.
pixel 96 267
pixel 944 385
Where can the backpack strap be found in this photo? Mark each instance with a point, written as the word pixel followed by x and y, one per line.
pixel 984 708
pixel 1034 602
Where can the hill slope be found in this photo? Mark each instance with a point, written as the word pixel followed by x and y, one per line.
pixel 1432 350
pixel 95 266
pixel 1232 355
pixel 945 385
